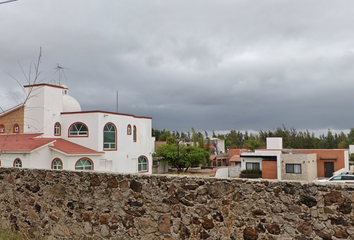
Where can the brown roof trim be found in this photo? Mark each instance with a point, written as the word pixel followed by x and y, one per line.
pixel 18 107
pixel 99 111
pixel 44 84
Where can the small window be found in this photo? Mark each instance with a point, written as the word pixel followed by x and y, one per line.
pixel 142 164
pixel 129 130
pixel 16 128
pixel 2 128
pixel 57 129
pixel 348 177
pixel 78 130
pixel 84 164
pixel 252 166
pixel 18 163
pixel 57 164
pixel 109 137
pixel 293 168
pixel 134 133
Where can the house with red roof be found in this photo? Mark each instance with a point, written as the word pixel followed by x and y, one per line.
pixel 50 131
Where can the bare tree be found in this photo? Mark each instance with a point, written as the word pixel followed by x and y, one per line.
pixel 17 110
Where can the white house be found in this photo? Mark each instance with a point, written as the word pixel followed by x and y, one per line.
pixel 50 131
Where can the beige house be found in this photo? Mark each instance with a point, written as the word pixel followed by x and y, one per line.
pixel 299 166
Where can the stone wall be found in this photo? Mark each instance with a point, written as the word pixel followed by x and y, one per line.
pixel 49 204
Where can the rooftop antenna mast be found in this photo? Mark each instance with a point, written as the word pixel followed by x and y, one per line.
pixel 60 70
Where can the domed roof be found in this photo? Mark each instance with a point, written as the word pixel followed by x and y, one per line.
pixel 70 104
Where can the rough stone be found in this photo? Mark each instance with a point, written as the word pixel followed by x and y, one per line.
pixel 258 212
pixel 94 205
pixel 104 219
pixel 136 186
pixel 58 191
pixel 308 200
pixel 171 189
pixel 333 197
pixel 165 223
pixel 340 233
pixel 324 235
pixel 86 217
pixel 250 234
pixel 147 225
pixel 128 221
pixel 273 229
pixel 112 182
pixel 345 208
pixel 95 181
pixel 207 223
pixel 305 228
pixel 215 191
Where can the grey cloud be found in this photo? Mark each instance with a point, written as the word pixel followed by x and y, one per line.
pixel 225 65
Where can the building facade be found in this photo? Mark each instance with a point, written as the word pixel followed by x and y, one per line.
pixel 53 133
pixel 295 164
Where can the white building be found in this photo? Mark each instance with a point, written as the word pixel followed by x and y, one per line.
pixel 50 131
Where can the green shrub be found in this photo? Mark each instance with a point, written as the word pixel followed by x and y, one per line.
pixel 252 171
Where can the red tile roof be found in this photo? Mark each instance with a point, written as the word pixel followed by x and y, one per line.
pixel 71 148
pixel 235 158
pixel 31 142
pixel 22 142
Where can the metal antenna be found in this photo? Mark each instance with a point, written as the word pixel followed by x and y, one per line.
pixel 60 70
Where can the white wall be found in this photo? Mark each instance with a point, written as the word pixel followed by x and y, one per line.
pixel 7 159
pixel 250 159
pixel 228 172
pixel 43 109
pixel 261 153
pixel 274 143
pixel 220 144
pixel 125 158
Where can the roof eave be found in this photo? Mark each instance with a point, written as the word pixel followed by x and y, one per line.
pixel 76 154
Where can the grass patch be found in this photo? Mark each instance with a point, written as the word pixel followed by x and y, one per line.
pixel 10 235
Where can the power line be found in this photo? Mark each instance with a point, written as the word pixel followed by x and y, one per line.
pixel 8 1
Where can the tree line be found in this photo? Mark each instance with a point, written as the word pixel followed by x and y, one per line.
pixel 292 138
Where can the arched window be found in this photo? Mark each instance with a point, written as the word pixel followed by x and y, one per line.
pixel 2 128
pixel 129 130
pixel 134 133
pixel 57 164
pixel 57 129
pixel 18 163
pixel 142 164
pixel 109 137
pixel 16 128
pixel 84 164
pixel 78 130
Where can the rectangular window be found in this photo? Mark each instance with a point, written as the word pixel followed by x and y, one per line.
pixel 293 168
pixel 109 146
pixel 253 166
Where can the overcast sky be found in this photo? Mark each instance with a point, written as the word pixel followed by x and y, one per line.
pixel 211 65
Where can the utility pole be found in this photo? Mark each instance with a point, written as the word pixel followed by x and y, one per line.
pixel 117 101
